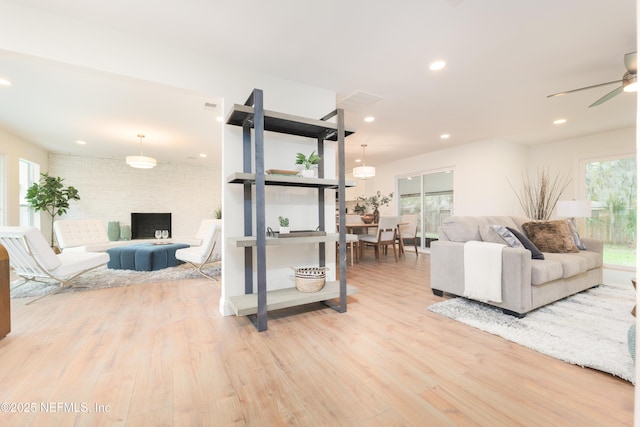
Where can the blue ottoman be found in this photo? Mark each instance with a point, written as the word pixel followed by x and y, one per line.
pixel 144 257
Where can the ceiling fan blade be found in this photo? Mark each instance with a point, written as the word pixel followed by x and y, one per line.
pixel 583 88
pixel 631 62
pixel 608 96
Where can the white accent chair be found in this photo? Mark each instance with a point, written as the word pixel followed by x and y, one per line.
pixel 32 258
pixel 209 233
pixel 387 235
pixel 408 231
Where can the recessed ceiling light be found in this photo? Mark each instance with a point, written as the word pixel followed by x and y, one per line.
pixel 219 118
pixel 560 121
pixel 358 160
pixel 203 155
pixel 437 65
pixel 4 82
pixel 81 142
pixel 369 119
pixel 445 136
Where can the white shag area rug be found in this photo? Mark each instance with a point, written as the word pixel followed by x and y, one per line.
pixel 103 277
pixel 588 329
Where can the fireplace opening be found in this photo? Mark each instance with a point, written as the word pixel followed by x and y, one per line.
pixel 144 225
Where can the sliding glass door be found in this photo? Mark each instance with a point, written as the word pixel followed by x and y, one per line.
pixel 430 196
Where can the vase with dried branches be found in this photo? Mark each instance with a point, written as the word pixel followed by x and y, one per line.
pixel 539 196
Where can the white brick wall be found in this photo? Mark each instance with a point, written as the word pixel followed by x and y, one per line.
pixel 110 190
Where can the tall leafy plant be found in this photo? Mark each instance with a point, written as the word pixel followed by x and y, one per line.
pixel 51 195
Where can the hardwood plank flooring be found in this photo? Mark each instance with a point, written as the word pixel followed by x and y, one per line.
pixel 161 354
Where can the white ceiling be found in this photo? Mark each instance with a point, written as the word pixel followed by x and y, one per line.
pixel 503 58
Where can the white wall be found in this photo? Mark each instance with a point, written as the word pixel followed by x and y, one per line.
pixel 13 149
pixel 481 170
pixel 110 190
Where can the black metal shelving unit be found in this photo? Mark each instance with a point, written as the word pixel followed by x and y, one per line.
pixel 252 116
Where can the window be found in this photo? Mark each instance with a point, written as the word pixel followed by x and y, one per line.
pixel 430 195
pixel 611 186
pixel 29 173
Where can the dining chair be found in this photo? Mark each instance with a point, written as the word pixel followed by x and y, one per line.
pixel 386 235
pixel 352 246
pixel 408 230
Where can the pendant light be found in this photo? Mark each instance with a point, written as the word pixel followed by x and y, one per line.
pixel 364 171
pixel 141 162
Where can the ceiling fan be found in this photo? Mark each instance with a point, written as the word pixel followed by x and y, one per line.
pixel 628 81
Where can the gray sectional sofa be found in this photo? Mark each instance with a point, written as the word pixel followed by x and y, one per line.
pixel 527 283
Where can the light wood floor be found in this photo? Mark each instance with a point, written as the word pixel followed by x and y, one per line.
pixel 161 354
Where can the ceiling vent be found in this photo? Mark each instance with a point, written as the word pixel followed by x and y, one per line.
pixel 358 100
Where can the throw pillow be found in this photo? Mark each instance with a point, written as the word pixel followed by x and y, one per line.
pixel 575 235
pixel 507 236
pixel 489 234
pixel 550 236
pixel 528 244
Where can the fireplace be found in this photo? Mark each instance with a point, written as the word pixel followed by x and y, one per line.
pixel 144 225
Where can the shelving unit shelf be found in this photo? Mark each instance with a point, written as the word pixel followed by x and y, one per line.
pixel 286 123
pixel 253 117
pixel 251 241
pixel 287 181
pixel 245 305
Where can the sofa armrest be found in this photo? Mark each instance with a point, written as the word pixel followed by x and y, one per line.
pixel 447 266
pixel 516 280
pixel 593 245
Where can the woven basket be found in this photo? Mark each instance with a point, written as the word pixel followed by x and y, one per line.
pixel 310 279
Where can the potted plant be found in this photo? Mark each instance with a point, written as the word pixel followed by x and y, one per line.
pixel 359 209
pixel 52 196
pixel 284 225
pixel 376 201
pixel 307 162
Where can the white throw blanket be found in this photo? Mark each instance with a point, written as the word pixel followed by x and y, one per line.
pixel 483 271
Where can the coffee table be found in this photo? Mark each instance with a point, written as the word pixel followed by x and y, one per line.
pixel 145 256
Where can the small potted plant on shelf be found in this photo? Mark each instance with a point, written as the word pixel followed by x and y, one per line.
pixel 284 225
pixel 307 162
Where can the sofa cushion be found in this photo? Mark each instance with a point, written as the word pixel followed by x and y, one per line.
pixel 543 271
pixel 576 263
pixel 551 236
pixel 465 228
